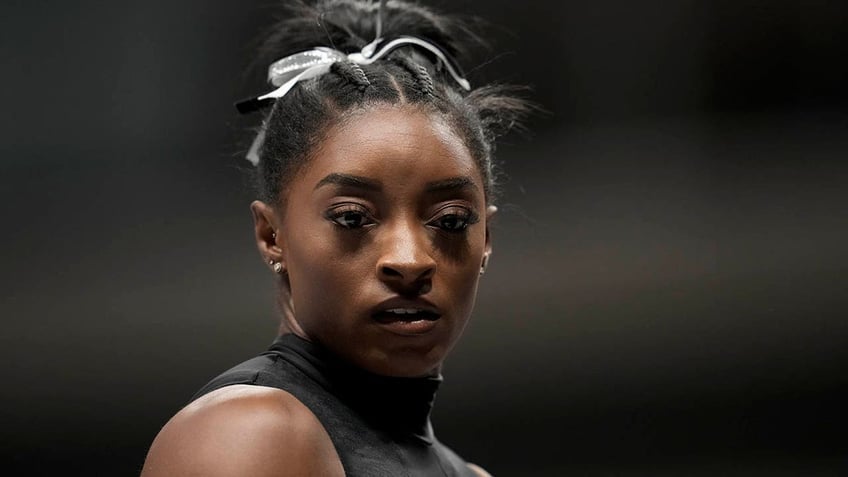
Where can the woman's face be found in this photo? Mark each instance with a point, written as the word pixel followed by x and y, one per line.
pixel 383 236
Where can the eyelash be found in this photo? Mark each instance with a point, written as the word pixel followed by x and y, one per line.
pixel 465 217
pixel 343 214
pixel 339 213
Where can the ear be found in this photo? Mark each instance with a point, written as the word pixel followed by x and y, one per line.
pixel 487 251
pixel 266 231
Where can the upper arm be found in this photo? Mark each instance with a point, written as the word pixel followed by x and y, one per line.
pixel 243 430
pixel 479 470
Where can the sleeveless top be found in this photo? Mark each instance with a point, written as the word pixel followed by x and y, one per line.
pixel 380 426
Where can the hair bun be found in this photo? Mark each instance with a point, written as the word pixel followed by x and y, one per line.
pixel 348 25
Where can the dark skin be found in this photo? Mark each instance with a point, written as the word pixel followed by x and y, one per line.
pixel 387 217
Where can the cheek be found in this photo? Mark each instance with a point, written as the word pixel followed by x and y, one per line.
pixel 461 272
pixel 324 269
pixel 465 282
pixel 312 261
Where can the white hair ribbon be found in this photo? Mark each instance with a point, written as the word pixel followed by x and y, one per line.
pixel 368 55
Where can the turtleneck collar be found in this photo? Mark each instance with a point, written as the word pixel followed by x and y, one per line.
pixel 399 406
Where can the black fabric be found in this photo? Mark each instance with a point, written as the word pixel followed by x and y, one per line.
pixel 380 426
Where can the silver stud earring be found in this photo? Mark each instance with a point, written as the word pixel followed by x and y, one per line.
pixel 276 266
pixel 274 235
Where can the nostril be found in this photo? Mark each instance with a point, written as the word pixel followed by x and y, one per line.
pixel 390 272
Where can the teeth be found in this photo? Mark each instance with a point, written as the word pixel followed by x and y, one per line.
pixel 404 311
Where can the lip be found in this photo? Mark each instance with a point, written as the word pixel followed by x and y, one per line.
pixel 406 327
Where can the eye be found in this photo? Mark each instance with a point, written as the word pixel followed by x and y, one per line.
pixel 454 219
pixel 350 216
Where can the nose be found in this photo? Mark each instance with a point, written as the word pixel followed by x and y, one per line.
pixel 406 262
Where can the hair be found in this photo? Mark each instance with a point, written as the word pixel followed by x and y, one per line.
pixel 298 121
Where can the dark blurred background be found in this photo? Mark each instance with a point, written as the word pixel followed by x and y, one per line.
pixel 668 292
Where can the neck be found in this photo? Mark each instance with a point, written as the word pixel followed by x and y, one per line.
pixel 400 406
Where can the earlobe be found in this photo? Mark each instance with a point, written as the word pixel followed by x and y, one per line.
pixel 268 241
pixel 490 212
pixel 485 263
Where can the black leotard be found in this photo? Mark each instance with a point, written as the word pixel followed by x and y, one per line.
pixel 380 426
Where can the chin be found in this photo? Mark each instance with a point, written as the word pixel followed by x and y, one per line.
pixel 406 362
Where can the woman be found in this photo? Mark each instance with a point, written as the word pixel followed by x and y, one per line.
pixel 375 179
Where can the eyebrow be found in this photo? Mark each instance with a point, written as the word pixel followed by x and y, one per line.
pixel 359 182
pixel 349 180
pixel 454 183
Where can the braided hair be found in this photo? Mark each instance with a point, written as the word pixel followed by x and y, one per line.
pixel 298 121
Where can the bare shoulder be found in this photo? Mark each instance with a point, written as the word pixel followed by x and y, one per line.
pixel 243 430
pixel 479 470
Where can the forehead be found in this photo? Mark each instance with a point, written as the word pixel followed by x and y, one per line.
pixel 392 144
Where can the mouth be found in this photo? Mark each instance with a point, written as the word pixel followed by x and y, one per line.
pixel 407 317
pixel 405 314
